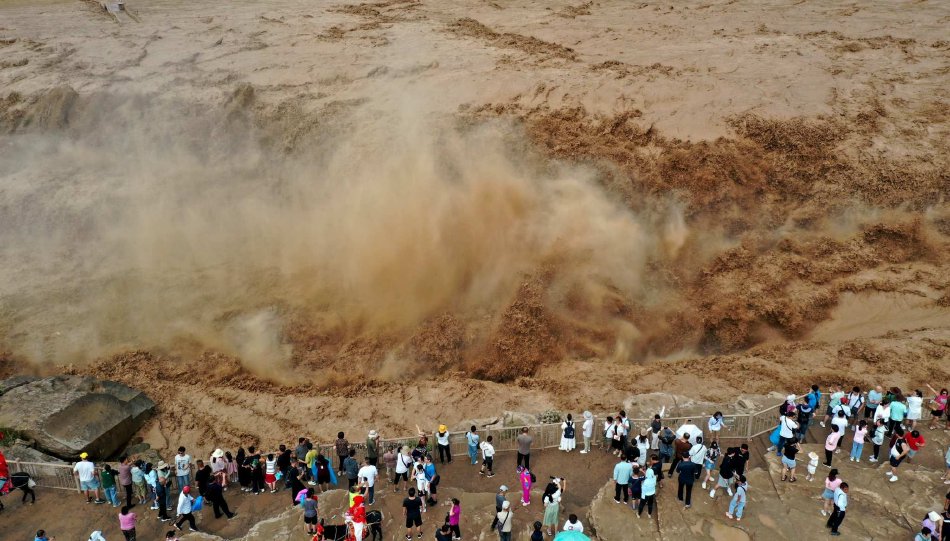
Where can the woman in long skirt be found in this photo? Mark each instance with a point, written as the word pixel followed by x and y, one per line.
pixel 568 434
pixel 552 505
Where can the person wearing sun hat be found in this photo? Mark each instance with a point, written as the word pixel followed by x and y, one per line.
pixel 161 490
pixel 587 431
pixel 85 470
pixel 442 439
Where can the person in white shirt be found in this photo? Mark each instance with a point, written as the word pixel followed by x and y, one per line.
pixel 915 406
pixel 182 468
pixel 488 457
pixel 88 478
pixel 840 500
pixel 403 464
pixel 442 440
pixel 841 421
pixel 367 476
pixel 787 427
pixel 715 426
pixel 185 502
pixel 573 524
pixel 588 431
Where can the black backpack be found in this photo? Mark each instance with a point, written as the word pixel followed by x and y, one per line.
pixel 569 430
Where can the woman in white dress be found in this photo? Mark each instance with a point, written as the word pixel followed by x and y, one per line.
pixel 915 406
pixel 568 434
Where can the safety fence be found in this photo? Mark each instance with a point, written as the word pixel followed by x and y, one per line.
pixel 736 426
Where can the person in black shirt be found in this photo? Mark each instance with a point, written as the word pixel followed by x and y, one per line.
pixel 202 477
pixel 537 534
pixel 742 458
pixel 214 493
pixel 788 461
pixel 443 533
pixel 412 510
pixel 283 463
pixel 687 476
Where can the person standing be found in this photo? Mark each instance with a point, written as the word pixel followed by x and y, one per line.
pixel 648 493
pixel 351 468
pixel 573 524
pixel 587 431
pixel 727 472
pixel 831 443
pixel 488 457
pixel 832 482
pixel 622 472
pixel 524 448
pixel 551 500
pixel 412 511
pixel 505 520
pixel 183 468
pixel 789 463
pixel 367 476
pixel 214 493
pixel 342 446
pixel 898 413
pixel 666 439
pixel 372 447
pixel 185 503
pixel 473 440
pixel 525 477
pixel 203 475
pixel 788 430
pixel 697 455
pixel 840 507
pixel 108 479
pixel 125 478
pixel 857 445
pixel 712 457
pixel 309 506
pixel 688 470
pixel 938 406
pixel 568 435
pixel 915 442
pixel 403 464
pixel 898 453
pixel 681 447
pixel 162 486
pixel 127 523
pixel 442 440
pixel 88 478
pixel 715 426
pixel 877 440
pixel 915 407
pixel 739 499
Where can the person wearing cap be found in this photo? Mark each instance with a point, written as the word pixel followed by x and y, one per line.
pixel 587 431
pixel 88 478
pixel 162 487
pixel 442 440
pixel 501 497
pixel 505 521
pixel 185 502
pixel 372 447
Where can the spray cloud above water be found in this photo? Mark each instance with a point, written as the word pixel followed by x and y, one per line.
pixel 143 225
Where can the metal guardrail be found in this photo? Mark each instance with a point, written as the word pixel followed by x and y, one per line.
pixel 742 426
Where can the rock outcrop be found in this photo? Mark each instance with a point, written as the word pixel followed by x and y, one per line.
pixel 68 415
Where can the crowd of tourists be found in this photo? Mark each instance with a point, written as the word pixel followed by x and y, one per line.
pixel 646 457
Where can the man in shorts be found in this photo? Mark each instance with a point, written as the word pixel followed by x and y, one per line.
pixel 412 510
pixel 727 472
pixel 88 478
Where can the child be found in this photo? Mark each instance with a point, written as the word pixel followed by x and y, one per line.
pixel 812 466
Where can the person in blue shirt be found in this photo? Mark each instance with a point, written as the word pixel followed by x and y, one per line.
pixel 647 493
pixel 622 472
pixel 433 478
pixel 41 536
pixel 840 500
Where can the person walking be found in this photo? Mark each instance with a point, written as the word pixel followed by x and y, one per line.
pixel 527 481
pixel 455 519
pixel 739 499
pixel 372 447
pixel 185 503
pixel 488 457
pixel 789 463
pixel 568 435
pixel 367 476
pixel 648 493
pixel 524 448
pixel 473 441
pixel 832 482
pixel 88 477
pixel 214 493
pixel 309 506
pixel 709 464
pixel 412 511
pixel 622 472
pixel 127 523
pixel 840 508
pixel 442 440
pixel 727 473
pixel 688 470
pixel 587 431
pixel 505 521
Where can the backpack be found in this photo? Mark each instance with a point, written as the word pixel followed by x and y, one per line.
pixel 569 430
pixel 533 478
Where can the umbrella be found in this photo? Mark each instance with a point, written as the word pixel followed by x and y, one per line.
pixel 691 429
pixel 571 536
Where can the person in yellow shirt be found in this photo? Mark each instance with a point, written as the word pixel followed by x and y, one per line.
pixel 310 459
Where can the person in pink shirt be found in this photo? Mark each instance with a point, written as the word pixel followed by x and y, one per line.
pixel 831 442
pixel 831 483
pixel 454 516
pixel 857 446
pixel 525 477
pixel 127 523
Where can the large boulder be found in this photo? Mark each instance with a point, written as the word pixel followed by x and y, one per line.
pixel 68 415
